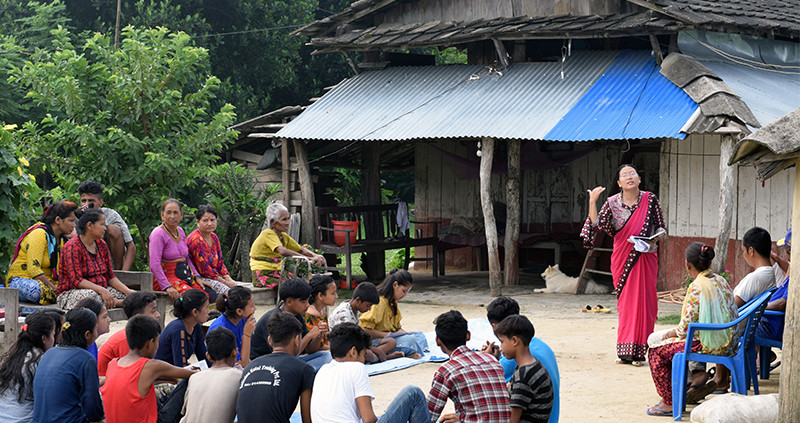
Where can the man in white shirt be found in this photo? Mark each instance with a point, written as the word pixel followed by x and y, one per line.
pixel 756 249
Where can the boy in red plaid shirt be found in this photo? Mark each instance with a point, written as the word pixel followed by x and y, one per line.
pixel 472 380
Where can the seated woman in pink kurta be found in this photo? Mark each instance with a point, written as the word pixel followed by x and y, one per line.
pixel 206 251
pixel 172 269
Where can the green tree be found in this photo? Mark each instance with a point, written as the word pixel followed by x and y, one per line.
pixel 18 191
pixel 24 27
pixel 136 118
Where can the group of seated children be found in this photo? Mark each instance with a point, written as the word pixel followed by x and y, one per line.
pixel 291 363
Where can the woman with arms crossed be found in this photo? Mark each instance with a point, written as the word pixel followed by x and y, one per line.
pixel 630 213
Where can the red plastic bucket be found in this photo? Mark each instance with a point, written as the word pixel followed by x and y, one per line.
pixel 338 237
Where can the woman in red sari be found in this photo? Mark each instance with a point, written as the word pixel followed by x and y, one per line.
pixel 634 268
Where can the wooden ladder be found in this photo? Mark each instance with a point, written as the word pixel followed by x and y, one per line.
pixel 590 265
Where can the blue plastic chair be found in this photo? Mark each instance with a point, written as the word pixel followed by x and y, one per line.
pixel 738 364
pixel 764 346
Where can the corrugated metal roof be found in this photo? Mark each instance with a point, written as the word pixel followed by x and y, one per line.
pixel 526 102
pixel 632 100
pixel 406 103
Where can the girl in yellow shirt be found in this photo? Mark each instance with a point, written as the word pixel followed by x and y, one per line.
pixel 383 319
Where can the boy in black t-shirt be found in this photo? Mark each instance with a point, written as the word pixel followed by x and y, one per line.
pixel 272 384
pixel 531 388
pixel 294 294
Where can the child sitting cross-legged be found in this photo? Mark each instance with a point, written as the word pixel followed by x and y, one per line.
pixel 129 394
pixel 272 384
pixel 531 388
pixel 471 379
pixel 211 394
pixel 343 394
pixel 294 294
pixel 364 297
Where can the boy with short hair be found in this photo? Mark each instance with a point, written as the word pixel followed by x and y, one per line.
pixel 294 294
pixel 272 384
pixel 129 394
pixel 116 346
pixel 212 394
pixel 756 249
pixel 496 312
pixel 472 380
pixel 530 386
pixel 117 236
pixel 342 391
pixel 364 297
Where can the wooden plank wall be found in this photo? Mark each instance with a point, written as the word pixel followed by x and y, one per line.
pixel 551 196
pixel 692 192
pixel 468 10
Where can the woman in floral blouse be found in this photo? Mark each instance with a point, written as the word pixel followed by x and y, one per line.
pixel 206 251
pixel 709 299
pixel 634 266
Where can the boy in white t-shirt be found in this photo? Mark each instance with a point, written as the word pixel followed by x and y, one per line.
pixel 756 249
pixel 342 391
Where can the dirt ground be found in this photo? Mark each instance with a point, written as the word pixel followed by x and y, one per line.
pixel 593 387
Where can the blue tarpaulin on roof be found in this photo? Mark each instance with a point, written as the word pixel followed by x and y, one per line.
pixel 631 100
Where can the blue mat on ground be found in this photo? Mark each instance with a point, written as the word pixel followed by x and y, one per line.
pixel 480 329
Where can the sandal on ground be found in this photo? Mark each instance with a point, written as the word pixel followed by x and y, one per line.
pixel 621 361
pixel 697 393
pixel 600 309
pixel 587 309
pixel 657 411
pixel 636 363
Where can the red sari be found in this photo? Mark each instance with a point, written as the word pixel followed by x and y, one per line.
pixel 634 273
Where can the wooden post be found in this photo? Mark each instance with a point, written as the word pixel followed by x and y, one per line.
pixel 375 264
pixel 285 172
pixel 10 299
pixel 306 192
pixel 513 215
pixel 789 408
pixel 502 54
pixel 727 190
pixel 495 275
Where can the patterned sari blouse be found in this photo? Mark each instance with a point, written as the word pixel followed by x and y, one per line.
pixel 206 258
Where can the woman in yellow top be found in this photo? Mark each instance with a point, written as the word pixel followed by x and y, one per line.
pixel 272 245
pixel 383 319
pixel 33 268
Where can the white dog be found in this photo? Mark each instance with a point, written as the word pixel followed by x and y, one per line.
pixel 559 283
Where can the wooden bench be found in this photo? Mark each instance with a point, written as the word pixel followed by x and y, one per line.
pixel 378 231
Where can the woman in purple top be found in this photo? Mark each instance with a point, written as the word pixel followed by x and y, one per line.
pixel 172 270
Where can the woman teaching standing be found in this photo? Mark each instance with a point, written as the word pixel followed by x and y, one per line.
pixel 634 268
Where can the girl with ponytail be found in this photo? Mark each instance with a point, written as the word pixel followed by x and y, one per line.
pixel 19 365
pixel 237 308
pixel 383 319
pixel 184 336
pixel 66 385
